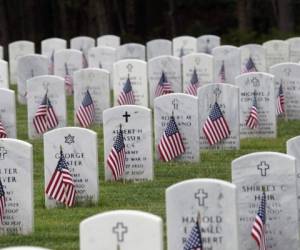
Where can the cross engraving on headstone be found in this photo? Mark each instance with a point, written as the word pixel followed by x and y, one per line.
pixel 287 71
pixel 129 67
pixel 263 167
pixel 175 103
pixel 45 85
pixel 126 116
pixel 120 230
pixel 255 82
pixel 197 60
pixel 201 195
pixel 3 152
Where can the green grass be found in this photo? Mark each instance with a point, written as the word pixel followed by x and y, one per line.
pixel 59 228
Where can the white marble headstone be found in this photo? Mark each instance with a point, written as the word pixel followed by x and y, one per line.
pixel 275 172
pixel 29 66
pixel 15 50
pixel 288 74
pixel 1 53
pixel 97 82
pixel 184 45
pixel 37 88
pixel 158 47
pixel 185 110
pixel 4 82
pixel 126 229
pixel 171 66
pixel 203 64
pixel 131 51
pixel 108 40
pixel 16 171
pixel 136 70
pixel 230 57
pixel 277 51
pixel 79 147
pixel 83 44
pixel 257 54
pixel 263 85
pixel 227 96
pixel 294 44
pixel 136 124
pixel 206 43
pixel 215 200
pixel 8 112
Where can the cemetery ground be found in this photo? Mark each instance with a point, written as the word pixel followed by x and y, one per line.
pixel 59 228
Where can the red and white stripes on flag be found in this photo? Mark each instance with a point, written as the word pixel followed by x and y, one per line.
pixel 171 144
pixel 3 133
pixel 86 112
pixel 252 120
pixel 45 117
pixel 68 80
pixel 215 127
pixel 193 85
pixel 280 101
pixel 163 87
pixel 61 186
pixel 2 203
pixel 222 77
pixel 126 96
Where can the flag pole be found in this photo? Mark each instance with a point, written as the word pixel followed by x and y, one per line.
pixel 285 113
pixel 125 154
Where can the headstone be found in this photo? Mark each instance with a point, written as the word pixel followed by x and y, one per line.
pixel 4 82
pixel 227 63
pixel 259 86
pixel 288 75
pixel 16 171
pixel 122 229
pixel 8 112
pixel 82 161
pixel 83 44
pixel 1 53
pixel 206 43
pixel 202 63
pixel 15 50
pixel 67 61
pixel 96 81
pixel 253 58
pixel 277 174
pixel 131 51
pixel 184 45
pixel 24 248
pixel 211 202
pixel 184 109
pixel 27 67
pixel 227 97
pixel 159 47
pixel 37 87
pixel 171 67
pixel 277 51
pixel 294 45
pixel 136 122
pixel 136 71
pixel 109 41
pixel 104 58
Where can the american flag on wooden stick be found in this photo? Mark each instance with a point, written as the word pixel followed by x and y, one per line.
pixel 45 117
pixel 171 144
pixel 280 100
pixel 194 241
pixel 258 231
pixel 68 80
pixel 51 63
pixel 3 133
pixel 222 77
pixel 126 96
pixel 61 186
pixel 86 112
pixel 2 203
pixel 215 127
pixel 163 87
pixel 193 85
pixel 250 66
pixel 116 157
pixel 252 120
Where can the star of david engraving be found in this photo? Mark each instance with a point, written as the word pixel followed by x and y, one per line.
pixel 263 167
pixel 120 230
pixel 69 139
pixel 201 196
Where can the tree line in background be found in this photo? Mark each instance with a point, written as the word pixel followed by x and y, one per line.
pixel 237 21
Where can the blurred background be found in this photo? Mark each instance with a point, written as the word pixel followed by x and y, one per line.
pixel 236 21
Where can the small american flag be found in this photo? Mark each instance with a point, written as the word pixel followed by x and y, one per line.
pixel 2 203
pixel 252 121
pixel 181 52
pixel 250 66
pixel 116 158
pixel 68 80
pixel 194 241
pixel 85 63
pixel 222 77
pixel 280 100
pixel 259 225
pixel 3 133
pixel 171 145
pixel 193 85
pixel 215 127
pixel 61 186
pixel 163 87
pixel 51 63
pixel 45 117
pixel 126 96
pixel 86 112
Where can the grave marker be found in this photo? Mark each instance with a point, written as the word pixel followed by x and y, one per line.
pixel 8 112
pixel 184 45
pixel 206 43
pixel 131 51
pixel 158 47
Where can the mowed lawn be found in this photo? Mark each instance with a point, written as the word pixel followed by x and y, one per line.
pixel 59 228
